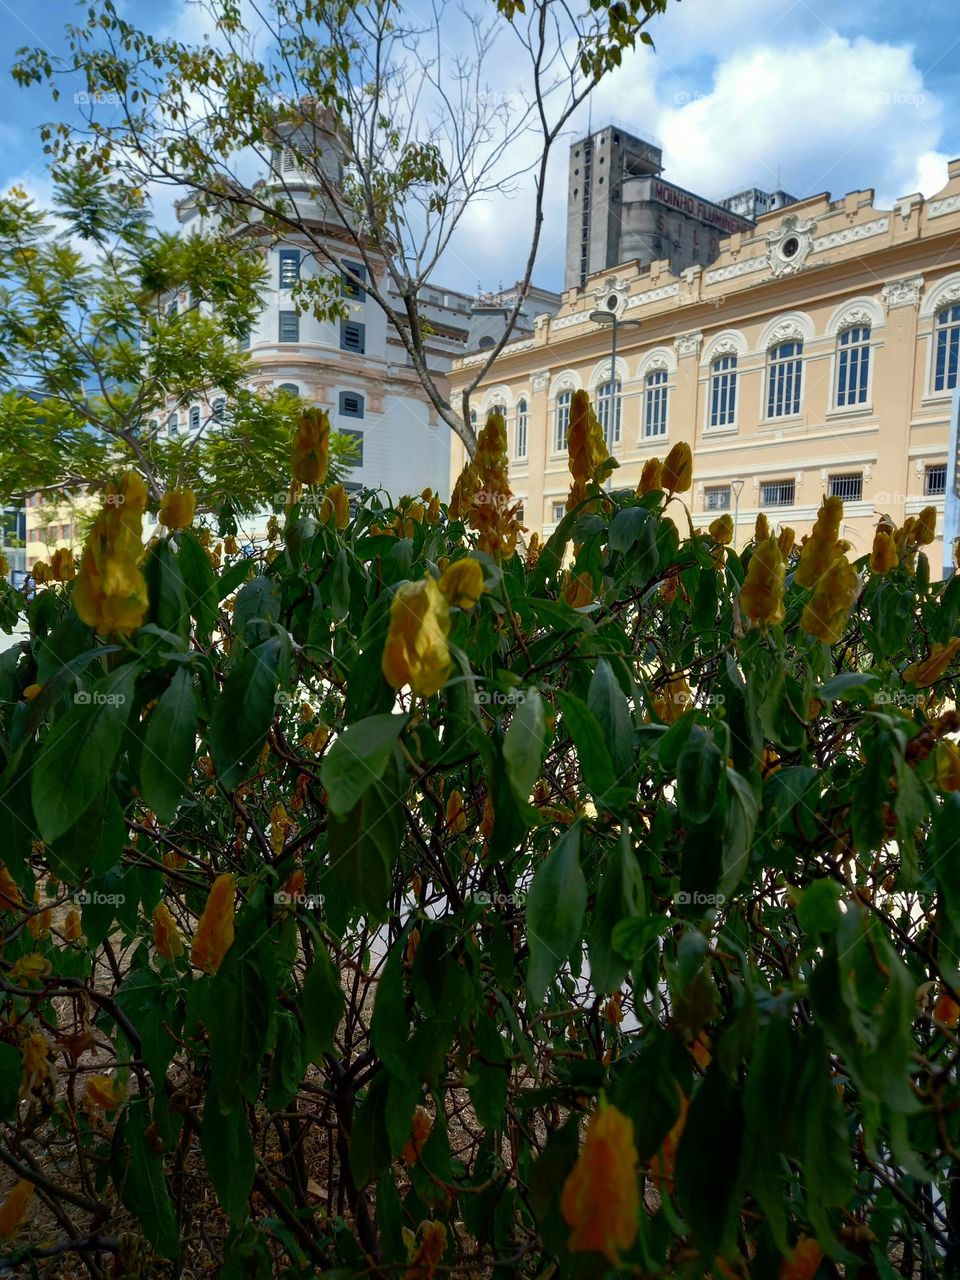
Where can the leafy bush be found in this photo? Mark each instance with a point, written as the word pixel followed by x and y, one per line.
pixel 642 846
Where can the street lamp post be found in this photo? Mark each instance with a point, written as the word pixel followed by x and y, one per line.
pixel 612 319
pixel 737 487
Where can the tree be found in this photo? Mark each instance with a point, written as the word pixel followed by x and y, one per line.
pixel 459 909
pixel 397 131
pixel 95 352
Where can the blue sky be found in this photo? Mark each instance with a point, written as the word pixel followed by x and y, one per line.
pixel 822 94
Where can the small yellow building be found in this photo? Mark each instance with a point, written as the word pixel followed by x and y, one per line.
pixel 817 355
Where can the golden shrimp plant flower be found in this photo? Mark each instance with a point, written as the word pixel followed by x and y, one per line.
pixel 110 593
pixel 761 598
pixel 215 932
pixel 310 455
pixel 417 652
pixel 821 548
pixel 826 612
pixel 178 508
pixel 600 1201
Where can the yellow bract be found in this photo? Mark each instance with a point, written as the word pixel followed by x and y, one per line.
pixel 110 592
pixel 462 582
pixel 416 652
pixel 310 455
pixel 177 508
pixel 651 477
pixel 722 529
pixel 336 506
pixel 677 473
pixel 482 495
pixel 761 529
pixel 826 612
pixel 884 556
pixel 215 931
pixel 923 673
pixel 105 1092
pixel 600 1200
pixel 820 549
pixel 948 766
pixel 62 566
pixel 586 449
pixel 761 598
pixel 14 1208
pixel 925 529
pixel 166 935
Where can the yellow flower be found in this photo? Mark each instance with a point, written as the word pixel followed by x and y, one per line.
pixel 11 899
pixel 722 529
pixel 884 556
pixel 4 566
pixel 37 1068
pixel 62 566
pixel 600 1200
pixel 827 610
pixel 462 582
pixel 310 456
pixel 14 1208
pixel 72 927
pixel 947 766
pixel 215 931
pixel 761 598
pixel 433 511
pixel 177 508
pixel 416 652
pixel 673 699
pixel 105 1092
pixel 804 1261
pixel 40 572
pixel 678 468
pixel 427 1255
pixel 651 477
pixel 820 549
pixel 31 968
pixel 420 1127
pixel 32 691
pixel 166 935
pixel 925 530
pixel 335 506
pixel 586 448
pixel 925 673
pixel 456 815
pixel 578 591
pixel 785 540
pixel 111 592
pixel 761 530
pixel 280 824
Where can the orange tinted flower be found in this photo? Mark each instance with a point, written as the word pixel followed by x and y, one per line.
pixel 215 931
pixel 884 556
pixel 420 1127
pixel 925 530
pixel 925 673
pixel 651 477
pixel 456 815
pixel 62 566
pixel 433 1242
pixel 416 651
pixel 578 591
pixel 105 1092
pixel 14 1208
pixel 72 926
pixel 11 899
pixel 177 508
pixel 310 455
pixel 946 1010
pixel 677 474
pixel 804 1261
pixel 600 1200
pixel 166 935
pixel 785 540
pixel 761 529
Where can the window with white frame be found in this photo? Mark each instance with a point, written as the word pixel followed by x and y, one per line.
pixel 784 374
pixel 562 421
pixel 723 391
pixel 655 403
pixel 290 388
pixel 219 409
pixel 946 348
pixel 716 497
pixel 849 487
pixel 195 417
pixel 778 493
pixel 609 405
pixel 559 511
pixel 173 423
pixel 935 480
pixel 289 267
pixel 521 437
pixel 853 366
pixel 289 326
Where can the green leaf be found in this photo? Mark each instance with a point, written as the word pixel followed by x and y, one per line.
pixel 592 752
pixel 525 744
pixel 228 1151
pixel 626 527
pixel 363 848
pixel 322 1006
pixel 244 711
pixel 358 758
pixel 491 1074
pixel 75 760
pixel 288 1061
pixel 257 606
pixel 200 581
pixel 11 1074
pixel 168 596
pixel 139 1175
pixel 241 1004
pixel 169 746
pixel 739 826
pixel 390 1022
pixel 619 897
pixel 708 1171
pixel 699 774
pixel 556 905
pixel 609 706
pixel 95 841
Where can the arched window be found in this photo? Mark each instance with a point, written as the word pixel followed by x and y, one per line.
pixel 723 391
pixel 609 403
pixel 946 348
pixel 562 421
pixel 655 403
pixel 498 408
pixel 173 423
pixel 853 365
pixel 784 376
pixel 290 388
pixel 195 417
pixel 219 409
pixel 521 446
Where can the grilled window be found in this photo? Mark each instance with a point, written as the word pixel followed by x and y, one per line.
pixel 562 421
pixel 716 497
pixel 935 480
pixel 848 487
pixel 195 417
pixel 521 441
pixel 353 337
pixel 946 349
pixel 609 404
pixel 289 326
pixel 349 278
pixel 289 268
pixel 351 404
pixel 777 493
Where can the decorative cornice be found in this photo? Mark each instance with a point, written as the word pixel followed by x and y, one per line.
pixel 745 267
pixel 654 295
pixel 688 344
pixel 855 316
pixel 540 381
pixel 564 322
pixel 903 293
pixel 937 208
pixel 786 331
pixel 859 231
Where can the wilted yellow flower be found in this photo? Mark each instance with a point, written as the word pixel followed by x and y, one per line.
pixel 426 1256
pixel 72 926
pixel 456 814
pixel 722 529
pixel 105 1092
pixel 600 1200
pixel 335 506
pixel 677 473
pixel 215 931
pixel 586 449
pixel 14 1208
pixel 932 668
pixel 310 456
pixel 166 935
pixel 420 1127
pixel 111 592
pixel 785 540
pixel 651 477
pixel 416 652
pixel 4 566
pixel 62 566
pixel 11 899
pixel 533 550
pixel 947 767
pixel 177 508
pixel 39 923
pixel 820 549
pixel 230 545
pixel 433 511
pixel 804 1261
pixel 31 968
pixel 40 572
pixel 925 529
pixel 826 612
pixel 37 1068
pixel 761 598
pixel 578 591
pixel 884 556
pixel 462 582
pixel 761 529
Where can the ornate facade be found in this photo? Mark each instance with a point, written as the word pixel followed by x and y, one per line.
pixel 817 354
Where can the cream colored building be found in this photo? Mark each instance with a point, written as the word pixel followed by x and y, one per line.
pixel 817 354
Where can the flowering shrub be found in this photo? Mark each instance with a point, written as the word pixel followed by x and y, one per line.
pixel 452 904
